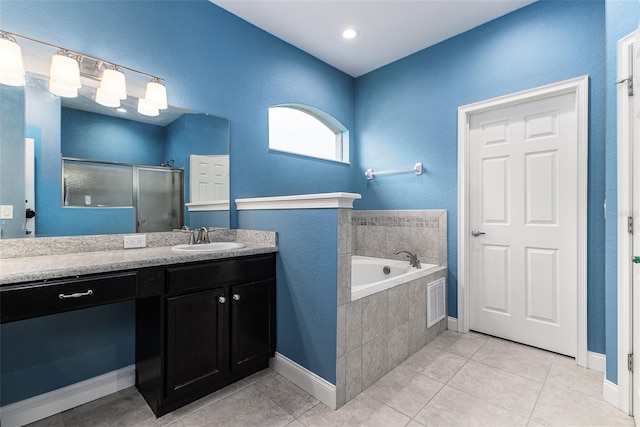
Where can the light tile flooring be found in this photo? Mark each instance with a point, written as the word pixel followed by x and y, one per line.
pixel 456 380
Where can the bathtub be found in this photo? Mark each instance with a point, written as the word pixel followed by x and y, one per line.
pixel 368 277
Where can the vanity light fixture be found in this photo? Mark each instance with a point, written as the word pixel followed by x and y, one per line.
pixel 66 69
pixel 108 101
pixel 64 74
pixel 350 33
pixel 113 84
pixel 11 67
pixel 156 94
pixel 147 109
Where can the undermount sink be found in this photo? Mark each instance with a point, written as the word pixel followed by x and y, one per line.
pixel 208 247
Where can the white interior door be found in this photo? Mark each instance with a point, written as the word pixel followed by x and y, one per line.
pixel 523 171
pixel 209 178
pixel 634 133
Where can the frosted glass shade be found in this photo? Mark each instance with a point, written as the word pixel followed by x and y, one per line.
pixel 147 110
pixel 64 76
pixel 113 84
pixel 156 95
pixel 11 66
pixel 104 99
pixel 63 91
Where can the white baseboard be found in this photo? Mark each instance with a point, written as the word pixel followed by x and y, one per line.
pixel 596 361
pixel 610 393
pixel 452 324
pixel 317 387
pixel 56 401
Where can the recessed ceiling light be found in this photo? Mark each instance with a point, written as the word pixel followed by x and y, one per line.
pixel 121 110
pixel 350 33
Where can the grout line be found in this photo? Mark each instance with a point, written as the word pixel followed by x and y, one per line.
pixel 539 393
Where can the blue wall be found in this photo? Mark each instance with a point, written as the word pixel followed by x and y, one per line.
pixel 306 293
pixel 622 18
pixel 12 190
pixel 43 354
pixel 407 112
pixel 93 136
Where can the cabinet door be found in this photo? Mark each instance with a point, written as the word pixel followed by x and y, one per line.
pixel 252 323
pixel 195 341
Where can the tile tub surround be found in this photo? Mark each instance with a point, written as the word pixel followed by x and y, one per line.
pixel 44 246
pixel 379 332
pixel 376 333
pixel 381 233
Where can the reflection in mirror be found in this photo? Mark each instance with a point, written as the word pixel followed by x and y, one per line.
pixel 79 128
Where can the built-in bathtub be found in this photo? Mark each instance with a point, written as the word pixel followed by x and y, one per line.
pixel 369 276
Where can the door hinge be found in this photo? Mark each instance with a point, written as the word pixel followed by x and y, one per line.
pixel 630 224
pixel 630 362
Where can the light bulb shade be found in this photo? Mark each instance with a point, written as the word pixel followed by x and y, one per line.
pixel 64 72
pixel 156 95
pixel 147 110
pixel 113 84
pixel 63 91
pixel 105 99
pixel 11 66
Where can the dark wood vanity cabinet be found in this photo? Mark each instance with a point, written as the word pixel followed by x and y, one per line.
pixel 195 342
pixel 28 300
pixel 212 324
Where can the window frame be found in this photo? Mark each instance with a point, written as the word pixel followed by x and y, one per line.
pixel 341 150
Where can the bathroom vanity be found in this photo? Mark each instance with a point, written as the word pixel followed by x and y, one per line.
pixel 203 320
pixel 201 326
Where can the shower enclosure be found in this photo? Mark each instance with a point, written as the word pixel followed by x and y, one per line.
pixel 156 193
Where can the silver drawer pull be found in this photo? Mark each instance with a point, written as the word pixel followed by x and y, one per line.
pixel 222 300
pixel 76 295
pixel 236 297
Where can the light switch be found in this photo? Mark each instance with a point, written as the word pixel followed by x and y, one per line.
pixel 6 211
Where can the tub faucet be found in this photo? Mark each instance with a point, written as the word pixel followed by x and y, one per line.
pixel 413 259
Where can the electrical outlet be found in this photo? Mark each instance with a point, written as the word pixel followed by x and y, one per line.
pixel 135 241
pixel 6 211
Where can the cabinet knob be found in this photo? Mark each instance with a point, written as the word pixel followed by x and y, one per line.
pixel 236 297
pixel 222 300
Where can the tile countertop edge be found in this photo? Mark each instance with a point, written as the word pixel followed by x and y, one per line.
pixel 30 269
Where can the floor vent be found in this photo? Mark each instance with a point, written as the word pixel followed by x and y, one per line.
pixel 435 302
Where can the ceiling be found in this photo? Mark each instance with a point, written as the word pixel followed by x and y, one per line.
pixel 389 29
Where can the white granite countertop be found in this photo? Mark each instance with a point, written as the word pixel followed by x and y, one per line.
pixel 27 269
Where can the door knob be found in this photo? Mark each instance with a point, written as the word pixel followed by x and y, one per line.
pixel 636 259
pixel 236 297
pixel 477 233
pixel 222 300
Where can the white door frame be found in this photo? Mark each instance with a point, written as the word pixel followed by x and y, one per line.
pixel 579 86
pixel 621 397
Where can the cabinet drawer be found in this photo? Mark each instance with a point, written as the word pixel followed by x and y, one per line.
pixel 223 272
pixel 25 301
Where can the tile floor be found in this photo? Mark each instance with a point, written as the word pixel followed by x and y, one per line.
pixel 456 380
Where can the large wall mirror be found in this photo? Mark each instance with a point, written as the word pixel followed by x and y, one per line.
pixel 90 169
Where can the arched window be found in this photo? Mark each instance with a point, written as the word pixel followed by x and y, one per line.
pixel 304 130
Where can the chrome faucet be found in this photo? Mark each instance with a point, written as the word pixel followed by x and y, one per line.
pixel 203 236
pixel 413 259
pixel 192 237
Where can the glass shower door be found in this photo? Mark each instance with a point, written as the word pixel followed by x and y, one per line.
pixel 160 199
